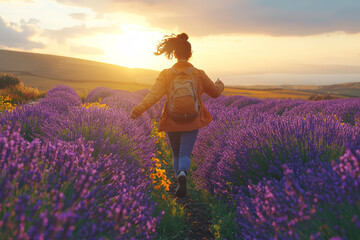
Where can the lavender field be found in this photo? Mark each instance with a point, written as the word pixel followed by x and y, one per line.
pixel 285 169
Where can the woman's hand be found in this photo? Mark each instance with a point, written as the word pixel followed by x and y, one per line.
pixel 219 85
pixel 218 81
pixel 133 114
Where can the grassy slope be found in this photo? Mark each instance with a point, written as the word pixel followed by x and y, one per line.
pixel 44 71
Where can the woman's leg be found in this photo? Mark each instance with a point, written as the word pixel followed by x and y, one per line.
pixel 187 141
pixel 174 138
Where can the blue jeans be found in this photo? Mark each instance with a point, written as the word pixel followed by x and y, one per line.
pixel 182 144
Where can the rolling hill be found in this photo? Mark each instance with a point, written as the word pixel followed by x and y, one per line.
pixel 44 71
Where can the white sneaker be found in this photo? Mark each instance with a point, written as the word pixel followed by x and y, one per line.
pixel 181 190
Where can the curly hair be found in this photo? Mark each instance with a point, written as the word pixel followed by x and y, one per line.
pixel 177 44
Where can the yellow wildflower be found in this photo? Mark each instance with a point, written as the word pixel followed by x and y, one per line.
pixel 160 171
pixel 158 174
pixel 94 105
pixel 163 183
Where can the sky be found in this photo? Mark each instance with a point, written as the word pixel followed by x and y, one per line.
pixel 242 42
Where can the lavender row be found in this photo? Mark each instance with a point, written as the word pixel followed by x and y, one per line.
pixel 124 100
pixel 79 174
pixel 322 203
pixel 255 151
pixel 346 110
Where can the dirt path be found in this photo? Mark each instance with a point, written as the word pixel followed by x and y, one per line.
pixel 34 102
pixel 197 219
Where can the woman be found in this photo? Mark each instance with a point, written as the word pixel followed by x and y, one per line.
pixel 182 133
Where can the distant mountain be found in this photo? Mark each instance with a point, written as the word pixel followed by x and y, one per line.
pixel 44 71
pixel 347 89
pixel 343 89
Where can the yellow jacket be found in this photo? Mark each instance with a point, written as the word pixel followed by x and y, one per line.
pixel 161 87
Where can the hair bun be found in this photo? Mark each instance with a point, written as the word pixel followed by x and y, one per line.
pixel 183 36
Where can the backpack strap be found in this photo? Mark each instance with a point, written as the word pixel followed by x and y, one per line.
pixel 174 71
pixel 187 72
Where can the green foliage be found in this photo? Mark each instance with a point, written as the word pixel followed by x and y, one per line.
pixel 173 222
pixel 7 80
pixel 42 94
pixel 83 94
pixel 223 223
pixel 12 87
pixel 221 215
pixel 321 97
pixel 22 94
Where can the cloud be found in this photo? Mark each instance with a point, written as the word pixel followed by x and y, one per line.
pixel 79 16
pixel 25 1
pixel 209 17
pixel 15 35
pixel 87 50
pixel 61 35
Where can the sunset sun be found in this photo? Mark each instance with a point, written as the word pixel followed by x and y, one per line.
pixel 134 47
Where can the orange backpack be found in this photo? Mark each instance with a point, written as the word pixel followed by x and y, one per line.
pixel 183 103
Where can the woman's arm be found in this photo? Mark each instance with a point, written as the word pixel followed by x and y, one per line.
pixel 212 89
pixel 157 91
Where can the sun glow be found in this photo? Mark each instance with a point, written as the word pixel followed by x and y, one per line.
pixel 135 46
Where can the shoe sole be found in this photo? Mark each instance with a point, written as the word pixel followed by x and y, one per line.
pixel 181 192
